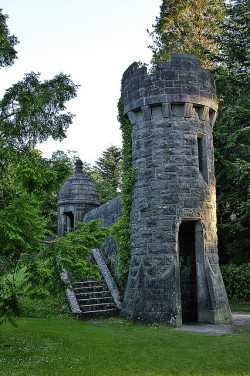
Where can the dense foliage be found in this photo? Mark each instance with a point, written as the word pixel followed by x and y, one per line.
pixel 121 230
pixel 73 250
pixel 218 34
pixel 109 166
pixel 32 111
pixel 187 27
pixel 21 235
pixel 7 52
pixel 41 265
pixel 231 135
pixel 236 279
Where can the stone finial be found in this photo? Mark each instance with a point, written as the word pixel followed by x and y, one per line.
pixel 78 166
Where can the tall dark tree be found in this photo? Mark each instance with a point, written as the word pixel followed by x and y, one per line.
pixel 187 27
pixel 109 165
pixel 108 173
pixel 30 111
pixel 234 38
pixel 218 34
pixel 231 135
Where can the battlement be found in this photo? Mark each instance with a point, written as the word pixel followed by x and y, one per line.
pixel 180 81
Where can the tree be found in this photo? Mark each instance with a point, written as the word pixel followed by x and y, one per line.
pixel 109 166
pixel 73 249
pixel 234 38
pixel 106 173
pixel 30 111
pixel 219 35
pixel 7 51
pixel 21 234
pixel 56 170
pixel 187 26
pixel 231 135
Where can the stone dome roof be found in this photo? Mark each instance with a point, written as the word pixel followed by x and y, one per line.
pixel 78 189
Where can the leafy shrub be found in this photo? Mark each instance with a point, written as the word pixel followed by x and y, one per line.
pixel 236 279
pixel 54 306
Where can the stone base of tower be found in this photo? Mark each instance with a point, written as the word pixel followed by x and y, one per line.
pixel 150 300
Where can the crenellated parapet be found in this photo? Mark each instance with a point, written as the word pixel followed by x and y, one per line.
pixel 182 87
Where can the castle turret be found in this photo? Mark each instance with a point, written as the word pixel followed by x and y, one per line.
pixel 77 197
pixel 174 273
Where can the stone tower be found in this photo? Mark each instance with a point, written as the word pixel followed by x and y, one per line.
pixel 77 197
pixel 174 273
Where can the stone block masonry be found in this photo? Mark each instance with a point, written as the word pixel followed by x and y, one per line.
pixel 109 213
pixel 174 272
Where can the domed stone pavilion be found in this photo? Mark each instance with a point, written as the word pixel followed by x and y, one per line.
pixel 77 197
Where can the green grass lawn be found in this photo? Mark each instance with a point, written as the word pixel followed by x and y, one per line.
pixel 48 341
pixel 71 347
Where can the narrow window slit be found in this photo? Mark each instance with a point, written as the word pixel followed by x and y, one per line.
pixel 202 156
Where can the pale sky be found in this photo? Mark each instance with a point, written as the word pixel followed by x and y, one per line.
pixel 93 41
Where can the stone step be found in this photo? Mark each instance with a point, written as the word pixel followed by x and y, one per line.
pixel 97 307
pixel 95 300
pixel 104 312
pixel 92 294
pixel 90 288
pixel 88 283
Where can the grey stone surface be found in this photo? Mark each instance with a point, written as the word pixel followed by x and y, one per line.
pixel 241 320
pixel 182 80
pixel 74 306
pixel 174 188
pixel 107 276
pixel 109 213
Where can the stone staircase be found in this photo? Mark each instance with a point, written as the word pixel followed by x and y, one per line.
pixel 94 299
pixel 90 298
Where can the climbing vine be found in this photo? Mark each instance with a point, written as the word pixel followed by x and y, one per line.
pixel 121 229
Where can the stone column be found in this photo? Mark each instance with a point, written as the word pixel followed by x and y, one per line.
pixel 172 112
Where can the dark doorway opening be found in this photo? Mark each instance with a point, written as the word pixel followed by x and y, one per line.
pixel 188 272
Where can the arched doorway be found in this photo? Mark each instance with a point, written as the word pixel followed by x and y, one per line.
pixel 188 280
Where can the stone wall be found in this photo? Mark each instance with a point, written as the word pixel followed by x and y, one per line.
pixel 109 213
